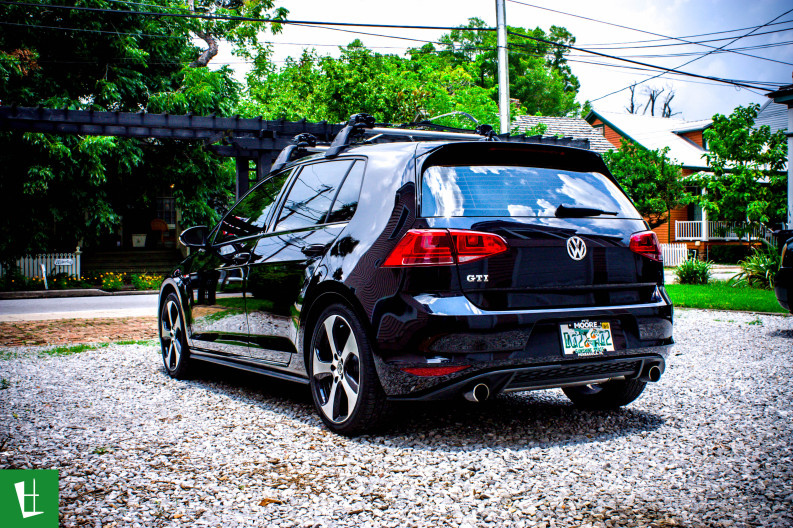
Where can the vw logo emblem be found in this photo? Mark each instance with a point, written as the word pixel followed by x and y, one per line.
pixel 576 248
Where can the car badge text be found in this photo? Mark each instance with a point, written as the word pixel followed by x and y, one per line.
pixel 476 278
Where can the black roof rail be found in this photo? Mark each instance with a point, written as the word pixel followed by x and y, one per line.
pixel 304 144
pixel 353 130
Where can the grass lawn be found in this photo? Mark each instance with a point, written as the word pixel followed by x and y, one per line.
pixel 721 296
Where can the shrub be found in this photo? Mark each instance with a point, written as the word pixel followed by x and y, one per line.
pixel 113 281
pixel 144 281
pixel 728 254
pixel 693 271
pixel 759 269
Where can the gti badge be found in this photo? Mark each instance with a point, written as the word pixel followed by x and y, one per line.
pixel 576 248
pixel 476 278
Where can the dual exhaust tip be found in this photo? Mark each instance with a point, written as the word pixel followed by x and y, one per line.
pixel 651 373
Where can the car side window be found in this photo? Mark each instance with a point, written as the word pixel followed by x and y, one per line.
pixel 249 216
pixel 347 199
pixel 311 196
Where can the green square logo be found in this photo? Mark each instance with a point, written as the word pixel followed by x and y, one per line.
pixel 29 498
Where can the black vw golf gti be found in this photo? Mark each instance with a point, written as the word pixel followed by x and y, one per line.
pixel 415 270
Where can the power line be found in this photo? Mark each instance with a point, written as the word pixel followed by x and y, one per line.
pixel 669 38
pixel 648 32
pixel 698 58
pixel 614 47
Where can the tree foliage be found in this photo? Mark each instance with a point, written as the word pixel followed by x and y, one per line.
pixel 459 75
pixel 651 180
pixel 746 180
pixel 64 189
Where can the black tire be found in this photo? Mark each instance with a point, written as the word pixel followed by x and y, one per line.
pixel 605 396
pixel 173 338
pixel 339 361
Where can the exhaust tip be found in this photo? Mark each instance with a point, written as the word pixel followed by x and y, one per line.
pixel 654 373
pixel 479 393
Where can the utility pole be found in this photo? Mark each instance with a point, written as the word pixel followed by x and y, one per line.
pixel 503 66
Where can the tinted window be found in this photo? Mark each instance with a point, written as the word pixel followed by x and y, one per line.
pixel 487 190
pixel 249 216
pixel 311 195
pixel 347 199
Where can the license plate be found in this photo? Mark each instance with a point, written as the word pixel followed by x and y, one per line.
pixel 586 338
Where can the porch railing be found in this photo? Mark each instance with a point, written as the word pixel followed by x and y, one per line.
pixel 692 230
pixel 674 254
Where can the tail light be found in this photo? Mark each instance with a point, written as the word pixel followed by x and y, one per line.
pixel 438 247
pixel 646 243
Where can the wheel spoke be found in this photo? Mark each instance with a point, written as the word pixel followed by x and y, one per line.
pixel 350 348
pixel 351 389
pixel 171 306
pixel 169 355
pixel 320 368
pixel 331 407
pixel 177 347
pixel 329 322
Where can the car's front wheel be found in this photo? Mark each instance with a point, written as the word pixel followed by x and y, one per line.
pixel 344 383
pixel 173 339
pixel 603 396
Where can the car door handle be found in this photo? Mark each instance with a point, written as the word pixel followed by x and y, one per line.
pixel 313 250
pixel 241 258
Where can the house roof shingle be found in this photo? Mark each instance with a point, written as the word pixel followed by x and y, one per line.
pixel 574 127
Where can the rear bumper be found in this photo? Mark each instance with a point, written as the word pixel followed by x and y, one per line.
pixel 523 378
pixel 512 350
pixel 783 287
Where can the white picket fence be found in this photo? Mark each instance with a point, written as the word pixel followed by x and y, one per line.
pixel 30 266
pixel 674 254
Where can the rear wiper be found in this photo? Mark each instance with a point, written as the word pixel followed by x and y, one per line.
pixel 564 211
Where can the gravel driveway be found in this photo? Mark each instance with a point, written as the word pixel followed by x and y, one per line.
pixel 710 445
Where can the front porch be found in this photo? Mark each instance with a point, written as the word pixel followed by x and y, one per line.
pixel 706 231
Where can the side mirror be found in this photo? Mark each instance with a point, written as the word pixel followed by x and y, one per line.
pixel 195 236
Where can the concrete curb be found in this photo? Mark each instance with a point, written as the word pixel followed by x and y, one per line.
pixel 86 292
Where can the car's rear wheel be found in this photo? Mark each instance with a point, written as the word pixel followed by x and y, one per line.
pixel 173 339
pixel 344 384
pixel 603 396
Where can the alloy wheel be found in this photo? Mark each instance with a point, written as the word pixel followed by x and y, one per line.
pixel 336 368
pixel 171 335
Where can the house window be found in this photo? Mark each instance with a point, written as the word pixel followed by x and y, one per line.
pixel 601 129
pixel 166 210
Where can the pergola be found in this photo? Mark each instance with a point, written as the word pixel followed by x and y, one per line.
pixel 253 141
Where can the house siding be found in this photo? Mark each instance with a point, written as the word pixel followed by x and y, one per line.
pixel 695 136
pixel 609 133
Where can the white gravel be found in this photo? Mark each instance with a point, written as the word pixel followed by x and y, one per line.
pixel 710 445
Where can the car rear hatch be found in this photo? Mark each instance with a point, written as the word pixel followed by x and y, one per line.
pixel 567 225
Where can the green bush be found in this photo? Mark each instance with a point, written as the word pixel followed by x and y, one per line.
pixel 728 254
pixel 693 271
pixel 113 281
pixel 145 281
pixel 759 269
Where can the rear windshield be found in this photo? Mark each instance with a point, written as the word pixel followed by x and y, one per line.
pixel 492 190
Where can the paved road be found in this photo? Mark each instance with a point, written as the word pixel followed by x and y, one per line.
pixel 78 307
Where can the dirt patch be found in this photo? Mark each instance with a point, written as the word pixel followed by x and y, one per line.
pixel 72 331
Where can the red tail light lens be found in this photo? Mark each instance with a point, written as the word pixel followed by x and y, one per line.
pixel 473 245
pixel 422 247
pixel 438 247
pixel 646 243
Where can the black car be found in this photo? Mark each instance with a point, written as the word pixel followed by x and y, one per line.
pixel 410 270
pixel 783 281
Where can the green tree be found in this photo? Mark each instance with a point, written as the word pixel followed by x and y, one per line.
pixel 391 88
pixel 746 183
pixel 61 189
pixel 539 75
pixel 651 180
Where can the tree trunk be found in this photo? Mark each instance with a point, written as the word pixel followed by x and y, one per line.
pixel 209 53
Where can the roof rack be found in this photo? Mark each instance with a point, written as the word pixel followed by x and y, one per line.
pixel 304 145
pixel 360 128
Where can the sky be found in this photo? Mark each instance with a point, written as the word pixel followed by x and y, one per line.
pixel 694 98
